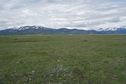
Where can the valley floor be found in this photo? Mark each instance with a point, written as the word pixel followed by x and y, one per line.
pixel 46 59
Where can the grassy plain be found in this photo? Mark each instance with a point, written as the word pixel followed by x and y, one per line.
pixel 60 59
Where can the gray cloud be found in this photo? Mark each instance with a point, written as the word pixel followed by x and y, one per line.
pixel 63 13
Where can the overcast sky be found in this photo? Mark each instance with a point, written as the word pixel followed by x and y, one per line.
pixel 84 14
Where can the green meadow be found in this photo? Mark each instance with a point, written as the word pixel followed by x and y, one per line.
pixel 63 59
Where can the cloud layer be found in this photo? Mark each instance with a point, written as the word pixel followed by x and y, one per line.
pixel 84 14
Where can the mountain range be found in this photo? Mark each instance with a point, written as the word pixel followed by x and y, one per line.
pixel 44 30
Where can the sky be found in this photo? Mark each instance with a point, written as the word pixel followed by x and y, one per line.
pixel 81 14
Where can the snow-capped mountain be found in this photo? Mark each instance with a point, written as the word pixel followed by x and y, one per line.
pixel 45 30
pixel 109 29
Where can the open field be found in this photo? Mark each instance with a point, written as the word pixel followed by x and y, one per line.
pixel 87 59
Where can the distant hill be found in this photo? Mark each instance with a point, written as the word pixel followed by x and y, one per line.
pixel 45 30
